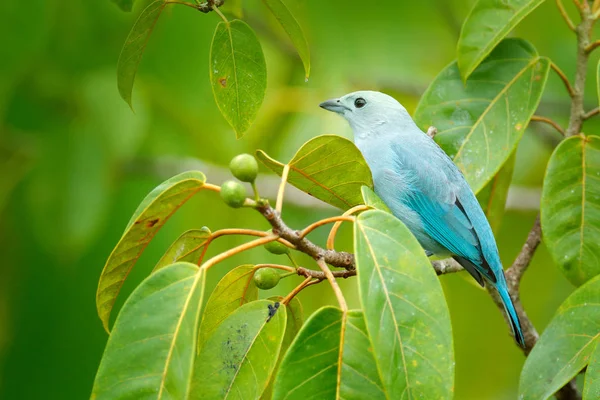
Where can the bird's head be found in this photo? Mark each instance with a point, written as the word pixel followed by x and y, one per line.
pixel 365 111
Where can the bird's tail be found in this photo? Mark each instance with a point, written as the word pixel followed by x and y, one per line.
pixel 511 313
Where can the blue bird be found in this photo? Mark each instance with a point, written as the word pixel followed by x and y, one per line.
pixel 424 189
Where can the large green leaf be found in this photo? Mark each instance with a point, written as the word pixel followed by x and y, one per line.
pixel 404 308
pixel 570 208
pixel 566 345
pixel 327 167
pixel 330 358
pixel 188 247
pixel 151 349
pixel 233 291
pixel 492 197
pixel 150 216
pixel 294 322
pixel 293 29
pixel 238 74
pixel 240 355
pixel 487 24
pixel 591 389
pixel 481 122
pixel 134 47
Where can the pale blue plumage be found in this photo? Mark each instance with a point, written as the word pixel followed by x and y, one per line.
pixel 424 188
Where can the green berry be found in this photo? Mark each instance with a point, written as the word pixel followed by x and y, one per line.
pixel 244 167
pixel 266 278
pixel 276 248
pixel 233 194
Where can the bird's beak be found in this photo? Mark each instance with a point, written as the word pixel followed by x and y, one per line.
pixel 334 105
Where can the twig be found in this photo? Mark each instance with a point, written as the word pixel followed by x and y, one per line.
pixel 591 113
pixel 589 48
pixel 337 259
pixel 548 121
pixel 564 78
pixel 324 221
pixel 336 226
pixel 432 131
pixel 583 31
pixel 564 14
pixel 446 266
pixel 281 192
pixel 334 285
pixel 320 275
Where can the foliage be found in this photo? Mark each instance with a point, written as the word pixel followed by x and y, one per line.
pixel 76 162
pixel 400 341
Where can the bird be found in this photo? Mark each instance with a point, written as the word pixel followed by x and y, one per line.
pixel 424 189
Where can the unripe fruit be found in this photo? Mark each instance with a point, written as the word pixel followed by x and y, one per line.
pixel 276 248
pixel 244 167
pixel 233 194
pixel 266 278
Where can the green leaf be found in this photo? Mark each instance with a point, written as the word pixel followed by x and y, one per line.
pixel 238 74
pixel 293 29
pixel 330 358
pixel 570 207
pixel 404 308
pixel 372 200
pixel 134 47
pixel 591 388
pixel 240 355
pixel 188 247
pixel 566 345
pixel 233 291
pixel 327 167
pixel 487 24
pixel 294 322
pixel 125 5
pixel 492 197
pixel 151 350
pixel 150 216
pixel 481 122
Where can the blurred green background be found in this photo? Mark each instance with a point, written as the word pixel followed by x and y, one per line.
pixel 75 162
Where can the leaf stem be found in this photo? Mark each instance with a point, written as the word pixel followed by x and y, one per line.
pixel 255 190
pixel 334 285
pixel 324 221
pixel 216 9
pixel 564 14
pixel 289 269
pixel 564 78
pixel 539 118
pixel 281 191
pixel 336 226
pixel 296 290
pixel 231 252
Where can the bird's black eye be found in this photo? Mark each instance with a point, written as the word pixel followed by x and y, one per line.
pixel 360 102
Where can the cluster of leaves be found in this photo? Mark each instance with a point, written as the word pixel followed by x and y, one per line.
pixel 167 335
pixel 238 72
pixel 169 341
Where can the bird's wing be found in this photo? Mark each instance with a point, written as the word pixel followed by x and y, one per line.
pixel 433 194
